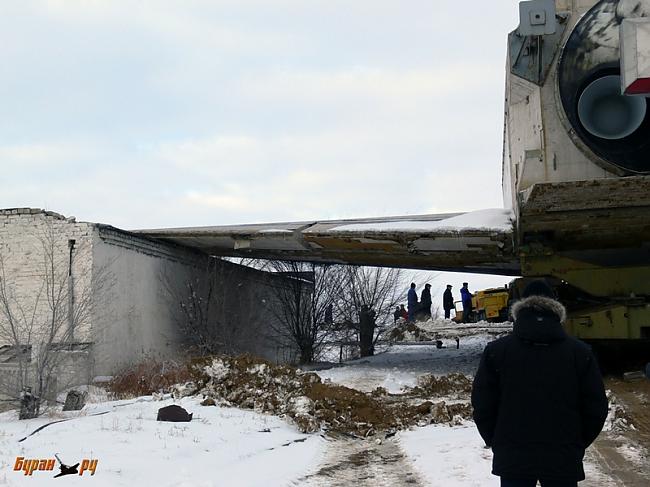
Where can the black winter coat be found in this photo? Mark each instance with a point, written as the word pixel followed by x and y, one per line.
pixel 538 396
pixel 447 299
pixel 425 299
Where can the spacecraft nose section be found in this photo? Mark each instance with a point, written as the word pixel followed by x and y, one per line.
pixel 607 114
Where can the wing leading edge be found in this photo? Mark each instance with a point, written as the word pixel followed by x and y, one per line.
pixel 479 241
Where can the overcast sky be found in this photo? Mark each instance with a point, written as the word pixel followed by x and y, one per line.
pixel 165 113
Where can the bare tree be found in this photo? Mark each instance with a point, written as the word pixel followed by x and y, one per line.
pixel 376 288
pixel 43 316
pixel 197 305
pixel 302 303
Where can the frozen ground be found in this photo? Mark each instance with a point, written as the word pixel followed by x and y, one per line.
pixel 219 447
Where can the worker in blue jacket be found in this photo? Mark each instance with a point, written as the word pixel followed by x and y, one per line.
pixel 466 296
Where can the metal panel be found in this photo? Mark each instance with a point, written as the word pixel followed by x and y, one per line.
pixel 635 56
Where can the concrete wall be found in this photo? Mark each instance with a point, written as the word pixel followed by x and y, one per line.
pixel 131 319
pixel 137 316
pixel 129 280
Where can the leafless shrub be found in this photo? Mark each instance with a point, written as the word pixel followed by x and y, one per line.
pixel 149 376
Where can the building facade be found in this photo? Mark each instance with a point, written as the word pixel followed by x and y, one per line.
pixel 105 298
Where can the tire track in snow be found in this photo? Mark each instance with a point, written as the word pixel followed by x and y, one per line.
pixel 362 463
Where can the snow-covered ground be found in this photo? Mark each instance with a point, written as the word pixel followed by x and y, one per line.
pixel 401 365
pixel 219 447
pixel 224 446
pixel 449 456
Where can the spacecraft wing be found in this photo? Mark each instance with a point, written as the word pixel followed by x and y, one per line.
pixel 480 241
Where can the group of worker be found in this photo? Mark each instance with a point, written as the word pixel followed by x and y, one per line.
pixel 466 298
pixel 422 309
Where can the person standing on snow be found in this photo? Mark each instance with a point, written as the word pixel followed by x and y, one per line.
pixel 412 303
pixel 366 331
pixel 397 314
pixel 447 301
pixel 425 302
pixel 466 296
pixel 538 396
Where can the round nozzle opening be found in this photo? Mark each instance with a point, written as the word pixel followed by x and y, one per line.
pixel 606 113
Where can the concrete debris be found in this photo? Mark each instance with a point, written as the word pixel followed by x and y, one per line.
pixel 180 391
pixel 75 400
pixel 448 385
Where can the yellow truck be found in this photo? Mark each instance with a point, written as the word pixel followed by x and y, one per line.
pixel 487 305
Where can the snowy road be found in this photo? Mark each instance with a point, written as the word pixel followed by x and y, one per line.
pixel 440 455
pixel 365 463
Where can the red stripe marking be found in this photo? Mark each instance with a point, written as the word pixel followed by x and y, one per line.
pixel 639 87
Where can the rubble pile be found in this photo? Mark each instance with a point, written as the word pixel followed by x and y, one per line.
pixel 409 332
pixel 251 383
pixel 457 385
pixel 439 328
pixel 617 417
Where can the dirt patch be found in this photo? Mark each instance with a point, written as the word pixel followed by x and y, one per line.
pixel 251 383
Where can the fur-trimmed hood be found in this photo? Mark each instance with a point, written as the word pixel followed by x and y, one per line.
pixel 539 319
pixel 539 303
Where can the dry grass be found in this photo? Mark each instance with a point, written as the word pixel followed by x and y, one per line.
pixel 147 377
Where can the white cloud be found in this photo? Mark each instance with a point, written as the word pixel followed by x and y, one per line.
pixel 387 86
pixel 173 113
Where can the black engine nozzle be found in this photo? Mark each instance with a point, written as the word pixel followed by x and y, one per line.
pixel 614 126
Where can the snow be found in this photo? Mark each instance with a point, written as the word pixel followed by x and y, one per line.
pixel 276 230
pixel 235 447
pixel 490 220
pixel 449 456
pixel 401 365
pixel 220 446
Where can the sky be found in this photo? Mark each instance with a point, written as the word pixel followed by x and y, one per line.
pixel 161 113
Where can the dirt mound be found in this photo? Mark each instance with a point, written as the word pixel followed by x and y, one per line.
pixel 409 332
pixel 252 383
pixel 456 385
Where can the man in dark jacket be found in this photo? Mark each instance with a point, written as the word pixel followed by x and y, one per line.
pixel 366 330
pixel 397 314
pixel 412 299
pixel 425 302
pixel 447 301
pixel 538 397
